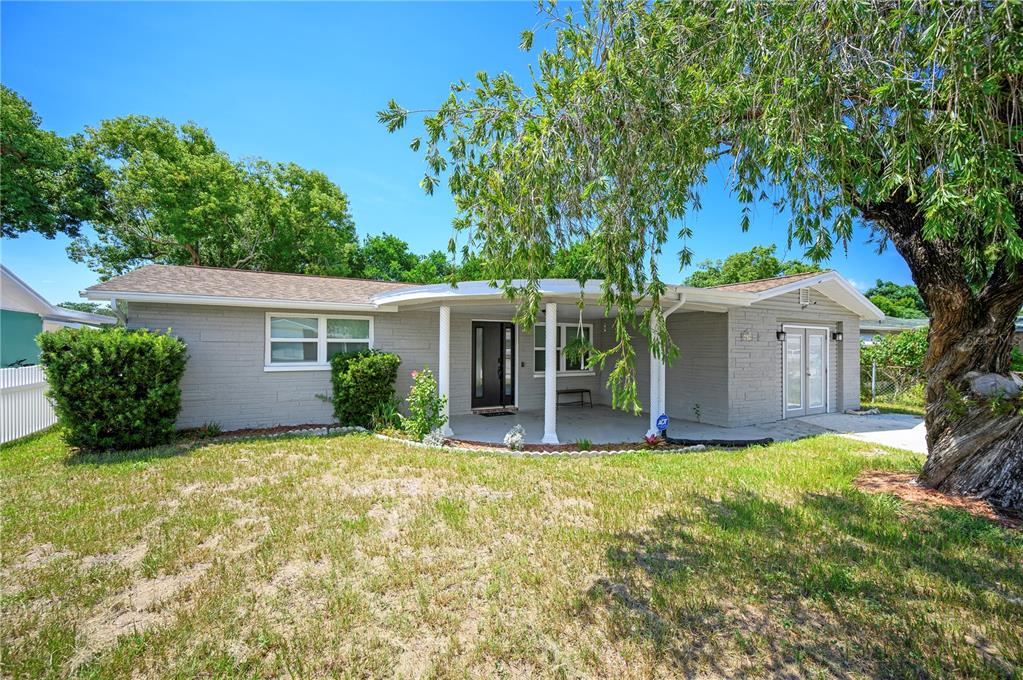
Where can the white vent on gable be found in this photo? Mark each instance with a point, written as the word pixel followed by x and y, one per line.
pixel 804 297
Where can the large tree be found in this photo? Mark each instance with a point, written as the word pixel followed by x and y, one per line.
pixel 903 302
pixel 902 114
pixel 48 184
pixel 759 262
pixel 175 198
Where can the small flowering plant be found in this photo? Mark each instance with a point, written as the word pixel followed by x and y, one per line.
pixel 652 441
pixel 425 406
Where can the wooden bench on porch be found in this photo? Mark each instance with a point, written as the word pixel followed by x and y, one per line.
pixel 582 392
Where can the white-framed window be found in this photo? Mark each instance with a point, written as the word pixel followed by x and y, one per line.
pixel 306 342
pixel 566 333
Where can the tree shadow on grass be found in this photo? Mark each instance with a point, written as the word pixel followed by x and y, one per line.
pixel 173 450
pixel 746 586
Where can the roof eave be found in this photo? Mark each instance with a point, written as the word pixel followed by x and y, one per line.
pixel 230 301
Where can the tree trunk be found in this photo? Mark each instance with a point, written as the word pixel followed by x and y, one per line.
pixel 973 448
pixel 974 441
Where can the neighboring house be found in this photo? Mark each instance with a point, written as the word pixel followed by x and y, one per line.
pixel 888 326
pixel 259 343
pixel 24 314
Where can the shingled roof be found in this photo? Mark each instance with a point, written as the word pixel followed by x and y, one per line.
pixel 760 285
pixel 172 280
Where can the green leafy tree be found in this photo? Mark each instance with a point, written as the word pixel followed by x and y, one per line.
pixel 175 198
pixel 90 307
pixel 759 262
pixel 904 115
pixel 387 257
pixel 48 184
pixel 906 349
pixel 903 302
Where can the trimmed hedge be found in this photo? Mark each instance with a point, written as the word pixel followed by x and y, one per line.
pixel 363 382
pixel 114 388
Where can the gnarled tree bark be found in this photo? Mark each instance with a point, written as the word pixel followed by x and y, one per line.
pixel 973 449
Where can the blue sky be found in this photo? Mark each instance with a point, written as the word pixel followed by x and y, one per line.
pixel 302 83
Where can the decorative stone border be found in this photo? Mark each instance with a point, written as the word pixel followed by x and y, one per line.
pixel 324 431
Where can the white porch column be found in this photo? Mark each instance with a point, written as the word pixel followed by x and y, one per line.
pixel 550 374
pixel 444 366
pixel 656 381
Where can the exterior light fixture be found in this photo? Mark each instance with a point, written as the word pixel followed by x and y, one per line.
pixel 780 335
pixel 837 336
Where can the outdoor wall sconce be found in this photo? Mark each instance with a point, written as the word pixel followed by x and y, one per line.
pixel 837 336
pixel 780 335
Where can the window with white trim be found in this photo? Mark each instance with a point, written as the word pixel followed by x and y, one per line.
pixel 309 341
pixel 566 333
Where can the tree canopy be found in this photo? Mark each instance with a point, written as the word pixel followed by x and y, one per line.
pixel 903 302
pixel 902 114
pixel 176 198
pixel 90 307
pixel 759 262
pixel 48 184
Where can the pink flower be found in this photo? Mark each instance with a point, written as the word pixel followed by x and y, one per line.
pixel 415 374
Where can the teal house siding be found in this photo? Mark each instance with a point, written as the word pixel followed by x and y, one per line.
pixel 18 331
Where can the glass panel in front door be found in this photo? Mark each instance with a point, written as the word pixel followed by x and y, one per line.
pixel 509 369
pixel 815 370
pixel 794 370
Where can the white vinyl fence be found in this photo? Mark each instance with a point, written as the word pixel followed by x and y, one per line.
pixel 24 408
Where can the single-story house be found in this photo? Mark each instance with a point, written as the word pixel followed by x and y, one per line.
pixel 24 314
pixel 259 344
pixel 890 325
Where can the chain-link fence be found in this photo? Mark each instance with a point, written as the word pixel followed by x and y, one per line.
pixel 894 386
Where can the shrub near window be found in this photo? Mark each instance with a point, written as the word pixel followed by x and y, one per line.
pixel 114 388
pixel 363 385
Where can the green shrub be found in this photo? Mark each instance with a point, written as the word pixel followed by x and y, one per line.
pixel 363 385
pixel 114 388
pixel 425 406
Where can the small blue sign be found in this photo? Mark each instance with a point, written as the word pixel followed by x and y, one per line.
pixel 662 422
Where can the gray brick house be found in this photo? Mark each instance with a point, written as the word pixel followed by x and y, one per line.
pixel 259 344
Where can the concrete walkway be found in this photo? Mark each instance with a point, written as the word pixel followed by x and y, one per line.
pixel 603 425
pixel 890 429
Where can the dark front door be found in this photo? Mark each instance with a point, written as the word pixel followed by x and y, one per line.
pixel 493 364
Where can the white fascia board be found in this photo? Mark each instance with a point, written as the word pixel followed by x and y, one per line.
pixel 224 301
pixel 10 278
pixel 63 315
pixel 482 290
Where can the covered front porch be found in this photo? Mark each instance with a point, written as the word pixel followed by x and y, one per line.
pixel 487 363
pixel 604 425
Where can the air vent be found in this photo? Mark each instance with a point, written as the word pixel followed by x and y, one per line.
pixel 804 296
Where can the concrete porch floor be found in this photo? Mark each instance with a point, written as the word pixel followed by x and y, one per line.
pixel 604 425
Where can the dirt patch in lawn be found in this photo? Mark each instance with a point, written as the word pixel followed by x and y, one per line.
pixel 903 485
pixel 133 610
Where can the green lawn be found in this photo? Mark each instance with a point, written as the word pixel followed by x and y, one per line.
pixel 355 557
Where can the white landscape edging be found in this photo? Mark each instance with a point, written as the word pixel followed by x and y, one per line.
pixel 325 431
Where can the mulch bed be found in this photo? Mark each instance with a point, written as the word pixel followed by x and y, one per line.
pixel 195 433
pixel 630 446
pixel 904 486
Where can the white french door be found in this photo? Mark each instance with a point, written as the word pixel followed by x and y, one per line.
pixel 804 371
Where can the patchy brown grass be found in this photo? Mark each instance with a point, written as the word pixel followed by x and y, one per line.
pixel 904 485
pixel 354 557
